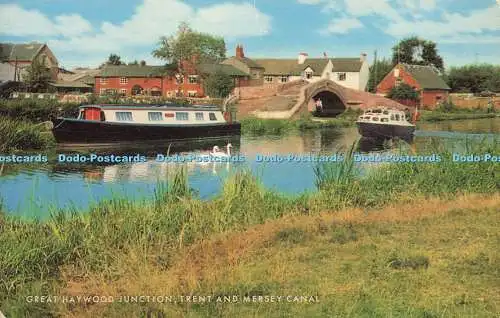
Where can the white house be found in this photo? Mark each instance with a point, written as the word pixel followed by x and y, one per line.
pixel 348 72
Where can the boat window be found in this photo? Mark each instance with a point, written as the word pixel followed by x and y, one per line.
pixel 80 114
pixel 397 117
pixel 155 116
pixel 392 117
pixel 386 112
pixel 199 116
pixel 124 116
pixel 103 116
pixel 384 120
pixel 181 116
pixel 375 118
pixel 212 116
pixel 367 117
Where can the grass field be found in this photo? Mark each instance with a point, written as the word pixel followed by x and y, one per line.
pixel 414 239
pixel 427 258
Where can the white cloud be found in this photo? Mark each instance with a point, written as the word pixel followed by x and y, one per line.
pixel 453 25
pixel 150 20
pixel 16 21
pixel 342 26
pixel 409 17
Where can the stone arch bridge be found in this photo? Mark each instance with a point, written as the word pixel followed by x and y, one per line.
pixel 290 99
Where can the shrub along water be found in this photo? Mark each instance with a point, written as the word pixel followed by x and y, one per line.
pixel 35 255
pixel 18 135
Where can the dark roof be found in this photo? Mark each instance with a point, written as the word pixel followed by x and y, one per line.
pixel 224 68
pixel 132 71
pixel 70 84
pixel 277 66
pixel 290 66
pixel 346 64
pixel 245 60
pixel 426 76
pixel 24 52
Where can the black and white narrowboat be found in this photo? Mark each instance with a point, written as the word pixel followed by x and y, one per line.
pixel 385 123
pixel 111 124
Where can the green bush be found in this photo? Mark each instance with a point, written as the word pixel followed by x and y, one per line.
pixel 17 135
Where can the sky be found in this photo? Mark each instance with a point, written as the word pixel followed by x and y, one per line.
pixel 84 33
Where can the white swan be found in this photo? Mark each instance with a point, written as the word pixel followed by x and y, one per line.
pixel 219 154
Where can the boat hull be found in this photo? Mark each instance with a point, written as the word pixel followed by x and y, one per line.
pixel 73 131
pixel 373 130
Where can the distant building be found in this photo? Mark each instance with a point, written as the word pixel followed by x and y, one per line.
pixel 77 80
pixel 426 79
pixel 132 80
pixel 14 58
pixel 348 72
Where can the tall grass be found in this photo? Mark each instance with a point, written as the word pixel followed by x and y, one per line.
pixel 36 110
pixel 16 134
pixel 37 257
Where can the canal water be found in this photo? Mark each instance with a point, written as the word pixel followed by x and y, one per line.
pixel 36 190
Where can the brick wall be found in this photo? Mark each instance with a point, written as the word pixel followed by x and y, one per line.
pixel 431 98
pixel 389 81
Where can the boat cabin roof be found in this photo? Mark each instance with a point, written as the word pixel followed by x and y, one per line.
pixel 383 110
pixel 168 107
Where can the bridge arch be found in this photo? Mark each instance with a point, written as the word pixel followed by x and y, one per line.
pixel 331 94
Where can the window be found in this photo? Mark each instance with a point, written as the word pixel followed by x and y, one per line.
pixel 384 120
pixel 255 75
pixel 392 117
pixel 341 76
pixel 212 116
pixel 179 79
pixel 181 116
pixel 155 116
pixel 268 79
pixel 103 91
pixel 192 93
pixel 104 80
pixel 193 79
pixel 124 116
pixel 123 91
pixel 284 79
pixel 375 118
pixel 397 117
pixel 199 116
pixel 123 80
pixel 309 75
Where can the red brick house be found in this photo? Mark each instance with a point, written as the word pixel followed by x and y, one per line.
pixel 20 56
pixel 425 79
pixel 131 80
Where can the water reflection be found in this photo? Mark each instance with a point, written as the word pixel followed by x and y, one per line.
pixel 30 189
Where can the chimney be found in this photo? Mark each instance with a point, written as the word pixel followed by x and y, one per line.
pixel 363 57
pixel 302 58
pixel 239 51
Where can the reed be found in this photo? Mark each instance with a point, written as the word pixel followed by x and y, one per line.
pixel 40 257
pixel 17 135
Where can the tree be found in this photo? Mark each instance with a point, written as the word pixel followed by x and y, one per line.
pixel 378 71
pixel 114 59
pixel 37 76
pixel 403 91
pixel 187 45
pixel 474 78
pixel 218 85
pixel 135 62
pixel 414 50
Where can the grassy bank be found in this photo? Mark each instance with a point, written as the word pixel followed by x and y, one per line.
pixel 432 116
pixel 19 135
pixel 120 245
pixel 257 126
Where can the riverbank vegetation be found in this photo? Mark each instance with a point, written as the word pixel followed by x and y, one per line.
pixel 19 135
pixel 257 126
pixel 178 245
